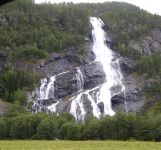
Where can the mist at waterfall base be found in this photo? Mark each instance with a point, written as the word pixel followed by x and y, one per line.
pixel 113 80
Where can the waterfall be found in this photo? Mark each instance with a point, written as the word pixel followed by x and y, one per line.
pixel 79 78
pixel 98 96
pixel 77 104
pixel 45 87
pixel 105 56
pixel 42 93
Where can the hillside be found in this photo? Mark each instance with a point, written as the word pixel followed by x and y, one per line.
pixel 48 61
pixel 55 28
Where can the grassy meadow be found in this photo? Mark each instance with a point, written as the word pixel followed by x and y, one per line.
pixel 78 145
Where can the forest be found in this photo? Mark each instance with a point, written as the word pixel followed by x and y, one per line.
pixel 18 124
pixel 30 32
pixel 54 28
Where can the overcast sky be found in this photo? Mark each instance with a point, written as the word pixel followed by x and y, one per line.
pixel 153 6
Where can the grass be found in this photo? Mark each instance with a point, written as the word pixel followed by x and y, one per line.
pixel 66 98
pixel 78 145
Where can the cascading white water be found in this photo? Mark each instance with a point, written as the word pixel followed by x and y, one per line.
pixel 42 93
pixel 42 89
pixel 103 92
pixel 79 78
pixel 105 56
pixel 45 87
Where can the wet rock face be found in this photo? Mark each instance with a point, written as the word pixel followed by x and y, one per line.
pixel 101 106
pixel 93 75
pixel 132 99
pixel 69 83
pixel 66 84
pixel 87 105
pixel 132 103
pixel 63 107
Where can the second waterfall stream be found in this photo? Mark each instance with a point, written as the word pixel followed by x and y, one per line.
pixel 99 95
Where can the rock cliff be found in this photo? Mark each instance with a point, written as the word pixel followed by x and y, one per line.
pixel 65 88
pixel 64 66
pixel 149 44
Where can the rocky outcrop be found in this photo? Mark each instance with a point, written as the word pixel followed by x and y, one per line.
pixel 59 63
pixel 93 75
pixel 133 98
pixel 70 82
pixel 28 66
pixel 149 44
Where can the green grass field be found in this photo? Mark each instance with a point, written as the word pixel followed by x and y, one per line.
pixel 78 145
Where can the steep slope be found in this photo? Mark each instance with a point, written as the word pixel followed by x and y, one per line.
pixel 61 44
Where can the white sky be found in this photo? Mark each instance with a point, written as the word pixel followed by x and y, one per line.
pixel 152 6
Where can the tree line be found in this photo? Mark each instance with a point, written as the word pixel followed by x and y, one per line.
pixel 18 124
pixel 17 79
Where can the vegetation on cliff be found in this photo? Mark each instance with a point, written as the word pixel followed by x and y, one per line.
pixel 30 31
pixel 15 80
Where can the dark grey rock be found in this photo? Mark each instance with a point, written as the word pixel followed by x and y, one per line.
pixel 127 66
pixel 101 106
pixel 59 63
pixel 87 104
pixel 54 56
pixel 67 84
pixel 132 99
pixel 93 75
